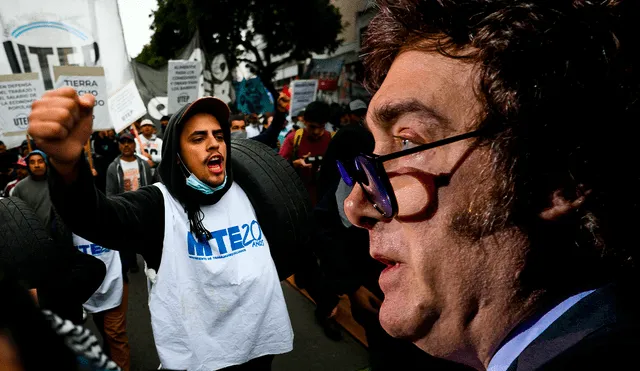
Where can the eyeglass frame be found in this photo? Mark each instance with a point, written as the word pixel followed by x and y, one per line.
pixel 378 160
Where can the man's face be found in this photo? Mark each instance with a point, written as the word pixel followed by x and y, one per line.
pixel 147 130
pixel 238 125
pixel 436 281
pixel 37 165
pixel 111 134
pixel 164 123
pixel 127 147
pixel 3 148
pixel 203 149
pixel 315 130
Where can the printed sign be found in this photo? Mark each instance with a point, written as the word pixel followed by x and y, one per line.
pixel 183 83
pixel 87 80
pixel 126 106
pixel 303 92
pixel 17 93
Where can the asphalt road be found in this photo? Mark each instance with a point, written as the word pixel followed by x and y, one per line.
pixel 312 350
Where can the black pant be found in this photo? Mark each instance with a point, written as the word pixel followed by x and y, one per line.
pixel 257 364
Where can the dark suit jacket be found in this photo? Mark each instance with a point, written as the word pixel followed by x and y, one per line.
pixel 600 332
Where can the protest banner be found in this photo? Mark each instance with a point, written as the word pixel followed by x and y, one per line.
pixel 17 93
pixel 87 80
pixel 183 84
pixel 303 92
pixel 126 106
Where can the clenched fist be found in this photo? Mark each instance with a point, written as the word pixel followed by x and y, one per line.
pixel 60 123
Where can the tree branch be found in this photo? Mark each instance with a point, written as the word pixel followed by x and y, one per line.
pixel 248 61
pixel 279 63
pixel 250 47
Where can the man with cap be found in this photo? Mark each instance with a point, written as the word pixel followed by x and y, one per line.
pixel 21 172
pixel 357 111
pixel 127 172
pixel 164 121
pixel 217 301
pixel 151 144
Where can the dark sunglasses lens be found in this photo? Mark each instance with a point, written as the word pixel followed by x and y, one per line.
pixel 374 187
pixel 348 180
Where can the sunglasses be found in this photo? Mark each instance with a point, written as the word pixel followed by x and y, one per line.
pixel 368 171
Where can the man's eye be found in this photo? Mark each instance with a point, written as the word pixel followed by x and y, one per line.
pixel 407 144
pixel 197 140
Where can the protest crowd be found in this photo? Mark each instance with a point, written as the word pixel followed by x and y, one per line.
pixel 475 213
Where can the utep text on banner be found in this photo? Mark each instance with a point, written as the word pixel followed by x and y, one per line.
pixel 87 80
pixel 303 92
pixel 126 106
pixel 17 93
pixel 38 35
pixel 183 84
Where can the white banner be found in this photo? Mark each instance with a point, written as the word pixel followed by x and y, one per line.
pixel 38 35
pixel 126 106
pixel 303 92
pixel 87 80
pixel 17 93
pixel 183 83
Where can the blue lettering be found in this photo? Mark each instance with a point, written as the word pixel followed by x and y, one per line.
pixel 84 248
pixel 222 248
pixel 236 238
pixel 197 248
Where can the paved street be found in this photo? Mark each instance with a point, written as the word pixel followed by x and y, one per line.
pixel 312 351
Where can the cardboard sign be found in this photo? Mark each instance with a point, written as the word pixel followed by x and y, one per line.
pixel 17 93
pixel 303 92
pixel 183 83
pixel 87 80
pixel 126 106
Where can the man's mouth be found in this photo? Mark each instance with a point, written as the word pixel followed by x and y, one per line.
pixel 388 262
pixel 214 164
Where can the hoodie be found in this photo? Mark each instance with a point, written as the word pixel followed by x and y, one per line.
pixel 128 213
pixel 35 192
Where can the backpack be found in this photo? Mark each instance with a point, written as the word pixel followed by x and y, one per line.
pixel 297 138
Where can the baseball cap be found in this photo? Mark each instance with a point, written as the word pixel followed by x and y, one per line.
pixel 216 107
pixel 146 122
pixel 21 162
pixel 357 105
pixel 125 135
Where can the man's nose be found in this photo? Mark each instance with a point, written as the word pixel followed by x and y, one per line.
pixel 359 210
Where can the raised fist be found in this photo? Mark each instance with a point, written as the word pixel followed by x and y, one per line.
pixel 61 123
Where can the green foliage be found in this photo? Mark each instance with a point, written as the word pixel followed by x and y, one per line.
pixel 277 27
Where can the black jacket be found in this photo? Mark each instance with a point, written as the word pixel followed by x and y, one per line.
pixel 600 332
pixel 115 176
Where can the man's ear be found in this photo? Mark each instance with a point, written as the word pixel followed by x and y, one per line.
pixel 561 206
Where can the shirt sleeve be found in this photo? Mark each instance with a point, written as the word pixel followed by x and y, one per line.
pixel 286 150
pixel 132 221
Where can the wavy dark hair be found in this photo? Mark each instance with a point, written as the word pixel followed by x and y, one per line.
pixel 559 86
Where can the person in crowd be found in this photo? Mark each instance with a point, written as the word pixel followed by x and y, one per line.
pixel 62 292
pixel 151 144
pixel 238 127
pixel 307 144
pixel 34 189
pixel 22 171
pixel 196 216
pixel 267 119
pixel 7 159
pixel 254 128
pixel 357 111
pixel 105 149
pixel 126 173
pixel 164 121
pixel 108 305
pixel 501 192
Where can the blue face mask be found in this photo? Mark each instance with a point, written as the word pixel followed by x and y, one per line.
pixel 199 185
pixel 203 188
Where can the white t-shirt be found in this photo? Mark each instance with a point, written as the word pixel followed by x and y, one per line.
pixel 109 294
pixel 131 173
pixel 252 131
pixel 218 303
pixel 153 146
